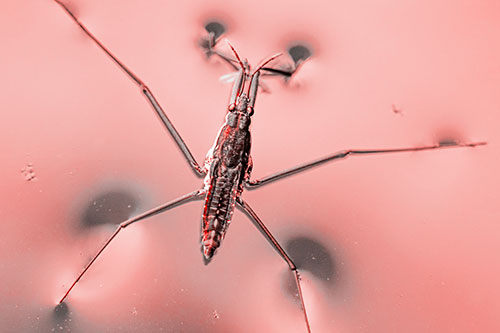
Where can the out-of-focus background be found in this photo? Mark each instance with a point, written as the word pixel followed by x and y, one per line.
pixel 394 243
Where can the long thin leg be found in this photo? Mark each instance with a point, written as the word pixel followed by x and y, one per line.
pixel 286 73
pixel 346 153
pixel 149 95
pixel 274 243
pixel 157 210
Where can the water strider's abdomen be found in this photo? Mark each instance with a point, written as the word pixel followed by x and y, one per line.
pixel 219 207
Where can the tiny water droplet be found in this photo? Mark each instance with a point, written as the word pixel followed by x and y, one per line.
pixel 28 172
pixel 396 110
pixel 216 315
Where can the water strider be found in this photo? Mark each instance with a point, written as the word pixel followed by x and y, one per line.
pixel 228 165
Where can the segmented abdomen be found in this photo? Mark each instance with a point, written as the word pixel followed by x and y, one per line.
pixel 219 207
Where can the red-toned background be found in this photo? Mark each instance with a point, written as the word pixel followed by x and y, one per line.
pixel 412 239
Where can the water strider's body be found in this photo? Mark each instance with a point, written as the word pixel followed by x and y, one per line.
pixel 228 164
pixel 228 167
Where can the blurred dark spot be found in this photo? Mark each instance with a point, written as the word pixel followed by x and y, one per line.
pixel 61 318
pixel 309 255
pixel 111 207
pixel 61 311
pixel 215 27
pixel 448 142
pixel 299 53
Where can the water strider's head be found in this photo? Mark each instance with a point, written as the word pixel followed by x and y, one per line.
pixel 242 102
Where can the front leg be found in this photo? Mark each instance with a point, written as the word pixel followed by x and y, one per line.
pixel 162 116
pixel 251 184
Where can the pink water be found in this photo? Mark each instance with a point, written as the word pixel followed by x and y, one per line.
pixel 413 238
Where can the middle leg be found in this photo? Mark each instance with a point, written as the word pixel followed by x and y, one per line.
pixel 346 153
